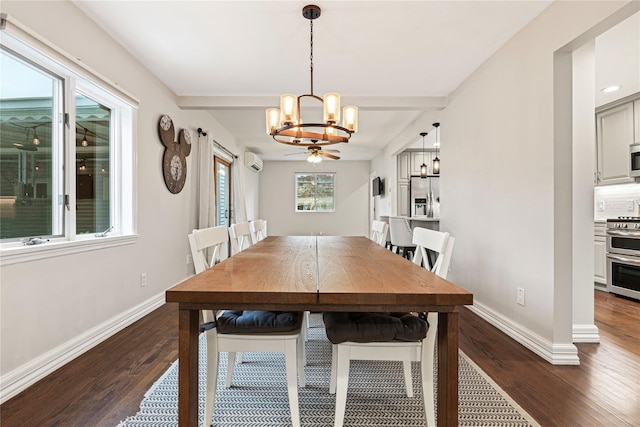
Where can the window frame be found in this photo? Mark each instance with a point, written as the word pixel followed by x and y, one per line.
pixel 77 78
pixel 315 197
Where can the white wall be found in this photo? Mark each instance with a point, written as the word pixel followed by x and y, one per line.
pixel 55 308
pixel 508 182
pixel 352 187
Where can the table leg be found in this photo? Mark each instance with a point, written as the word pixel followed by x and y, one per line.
pixel 448 369
pixel 188 368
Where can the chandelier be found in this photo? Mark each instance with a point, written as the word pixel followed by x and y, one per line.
pixel 286 125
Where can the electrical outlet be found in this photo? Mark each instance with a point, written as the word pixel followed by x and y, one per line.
pixel 601 206
pixel 143 279
pixel 189 259
pixel 520 297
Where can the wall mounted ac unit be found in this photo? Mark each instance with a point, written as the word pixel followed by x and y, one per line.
pixel 252 161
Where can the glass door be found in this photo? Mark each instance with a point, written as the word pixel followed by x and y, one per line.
pixel 222 178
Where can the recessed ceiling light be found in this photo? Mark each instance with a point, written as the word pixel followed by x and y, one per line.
pixel 609 89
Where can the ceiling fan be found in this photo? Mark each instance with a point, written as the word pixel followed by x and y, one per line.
pixel 315 151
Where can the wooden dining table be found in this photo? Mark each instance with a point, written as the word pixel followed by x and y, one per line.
pixel 318 273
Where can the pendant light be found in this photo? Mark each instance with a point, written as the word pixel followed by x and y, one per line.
pixel 436 160
pixel 423 167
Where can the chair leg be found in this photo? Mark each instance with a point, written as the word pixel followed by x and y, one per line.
pixel 291 362
pixel 305 335
pixel 305 327
pixel 212 380
pixel 301 360
pixel 334 369
pixel 408 382
pixel 231 361
pixel 342 384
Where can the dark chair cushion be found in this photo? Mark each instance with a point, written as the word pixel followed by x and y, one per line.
pixel 374 327
pixel 251 322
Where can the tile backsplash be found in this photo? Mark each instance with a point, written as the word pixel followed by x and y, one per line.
pixel 612 201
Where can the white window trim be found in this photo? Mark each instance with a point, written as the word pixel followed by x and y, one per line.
pixel 21 38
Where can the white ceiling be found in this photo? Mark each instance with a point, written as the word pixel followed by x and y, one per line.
pixel 393 59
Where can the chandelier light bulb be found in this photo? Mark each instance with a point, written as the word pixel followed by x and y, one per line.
pixel 273 120
pixel 288 109
pixel 350 118
pixel 331 108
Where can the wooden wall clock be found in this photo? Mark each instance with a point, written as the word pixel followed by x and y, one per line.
pixel 174 160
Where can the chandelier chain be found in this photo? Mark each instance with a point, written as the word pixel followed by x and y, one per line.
pixel 311 55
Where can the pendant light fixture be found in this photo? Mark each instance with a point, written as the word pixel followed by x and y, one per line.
pixel 423 167
pixel 286 125
pixel 436 160
pixel 84 141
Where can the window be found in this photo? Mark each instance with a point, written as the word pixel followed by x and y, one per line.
pixel 315 192
pixel 66 149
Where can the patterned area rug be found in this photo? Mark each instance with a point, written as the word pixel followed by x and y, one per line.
pixel 376 396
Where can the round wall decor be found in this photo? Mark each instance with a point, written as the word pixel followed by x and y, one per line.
pixel 174 160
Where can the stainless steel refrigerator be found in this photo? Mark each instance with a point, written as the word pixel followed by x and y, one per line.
pixel 425 197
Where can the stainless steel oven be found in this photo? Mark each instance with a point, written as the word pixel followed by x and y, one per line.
pixel 623 256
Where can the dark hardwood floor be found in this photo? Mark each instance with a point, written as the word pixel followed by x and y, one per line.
pixel 105 385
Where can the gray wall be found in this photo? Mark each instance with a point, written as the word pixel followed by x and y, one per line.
pixel 277 199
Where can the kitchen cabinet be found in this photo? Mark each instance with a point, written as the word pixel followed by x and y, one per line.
pixel 614 134
pixel 404 176
pixel 600 255
pixel 404 171
pixel 403 198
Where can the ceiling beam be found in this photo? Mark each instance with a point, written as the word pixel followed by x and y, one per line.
pixel 371 103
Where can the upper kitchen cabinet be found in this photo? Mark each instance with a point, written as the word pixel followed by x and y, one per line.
pixel 614 134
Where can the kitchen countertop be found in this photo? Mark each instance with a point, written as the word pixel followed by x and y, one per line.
pixel 414 218
pixel 424 218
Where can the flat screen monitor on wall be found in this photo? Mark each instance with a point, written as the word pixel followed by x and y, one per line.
pixel 377 186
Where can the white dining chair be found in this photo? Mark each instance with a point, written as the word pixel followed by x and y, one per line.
pixel 258 230
pixel 240 236
pixel 379 230
pixel 401 236
pixel 350 334
pixel 265 331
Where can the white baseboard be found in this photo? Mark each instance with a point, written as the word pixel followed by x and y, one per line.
pixel 565 354
pixel 26 375
pixel 586 334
